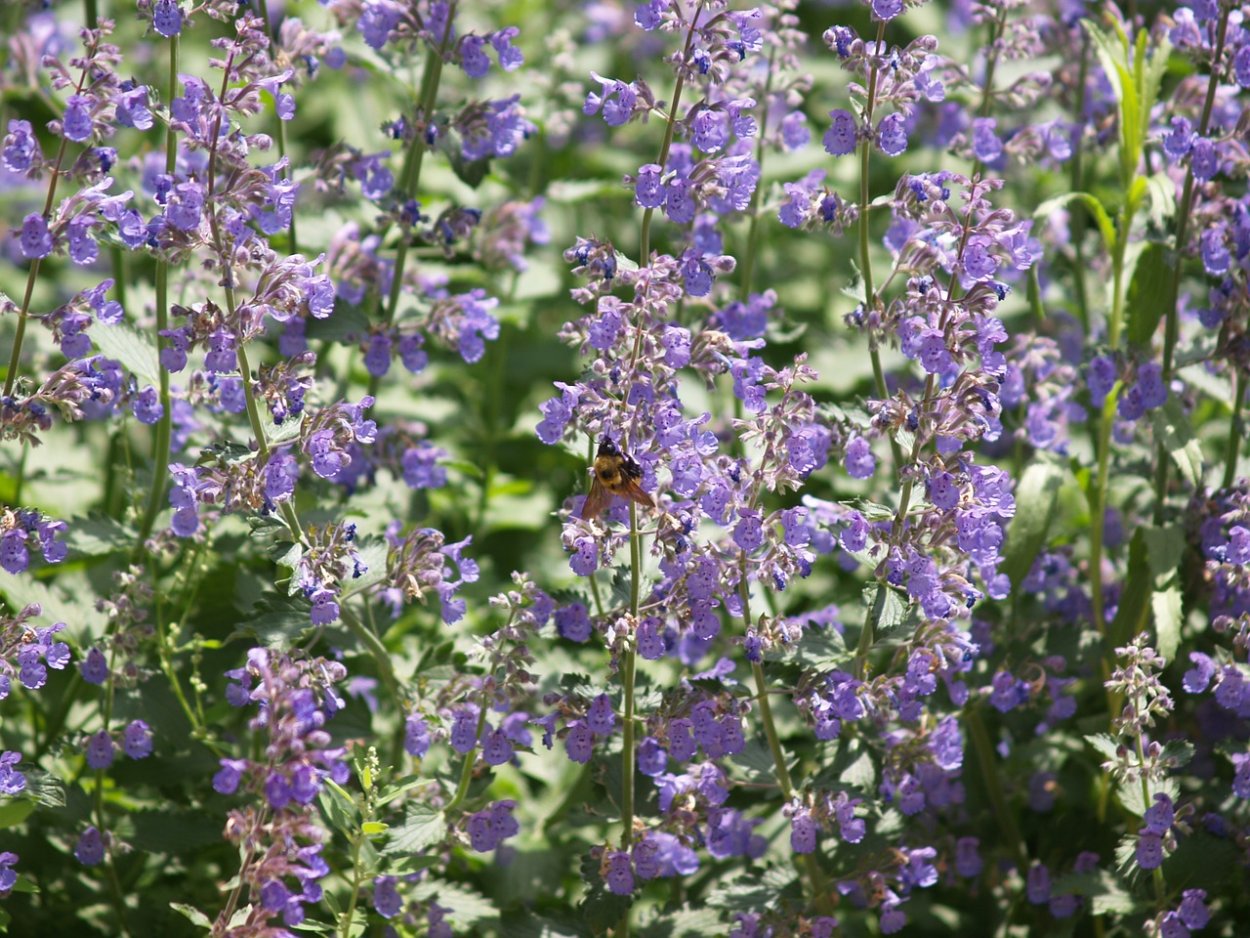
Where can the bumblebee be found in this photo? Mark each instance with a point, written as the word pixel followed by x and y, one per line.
pixel 615 473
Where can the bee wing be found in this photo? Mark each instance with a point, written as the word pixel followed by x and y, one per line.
pixel 596 500
pixel 634 492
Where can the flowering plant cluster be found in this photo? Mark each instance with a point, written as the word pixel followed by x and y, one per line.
pixel 655 467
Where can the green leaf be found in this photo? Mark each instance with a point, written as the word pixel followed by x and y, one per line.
pixel 464 467
pixel 345 324
pixel 278 433
pixel 894 609
pixel 1106 226
pixel 132 348
pixel 1103 743
pixel 1112 898
pixel 99 535
pixel 1135 596
pixel 1148 292
pixel 1166 605
pixel 15 812
pixel 423 827
pixel 1162 192
pixel 1037 496
pixel 1172 428
pixel 1164 547
pixel 197 917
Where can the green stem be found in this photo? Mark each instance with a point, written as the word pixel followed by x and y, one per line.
pixel 748 259
pixel 867 635
pixel 1077 185
pixel 470 760
pixel 164 427
pixel 280 135
pixel 628 661
pixel 345 927
pixel 816 875
pixel 410 175
pixel 90 14
pixel 1097 499
pixel 1172 323
pixel 32 275
pixel 865 256
pixel 627 671
pixel 1236 433
pixel 644 239
pixel 1116 322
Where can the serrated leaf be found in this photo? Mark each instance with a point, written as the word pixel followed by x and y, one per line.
pixel 98 535
pixel 277 434
pixel 894 608
pixel 1129 794
pixel 1111 897
pixel 423 827
pixel 1103 743
pixel 1172 428
pixel 685 923
pixel 1037 495
pixel 467 906
pixel 133 349
pixel 822 649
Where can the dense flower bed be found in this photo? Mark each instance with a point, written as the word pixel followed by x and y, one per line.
pixel 671 468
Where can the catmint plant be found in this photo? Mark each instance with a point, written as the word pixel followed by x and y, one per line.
pixel 656 467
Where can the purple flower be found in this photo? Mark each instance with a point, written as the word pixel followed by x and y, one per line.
pixel 510 57
pixel 1149 851
pixel 386 898
pixel 1241 67
pixel 377 19
pixel 137 740
pixel 89 850
pixel 1193 910
pixel 887 9
pixel 76 124
pixel 226 780
pixel 35 239
pixel 21 147
pixel 147 406
pixel 1203 160
pixel 8 876
pixel 859 460
pixel 648 189
pixel 94 667
pixel 617 101
pixel 841 137
pixel 892 134
pixel 12 782
pixel 803 832
pixel 986 146
pixel 100 750
pixel 619 873
pixel 167 18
